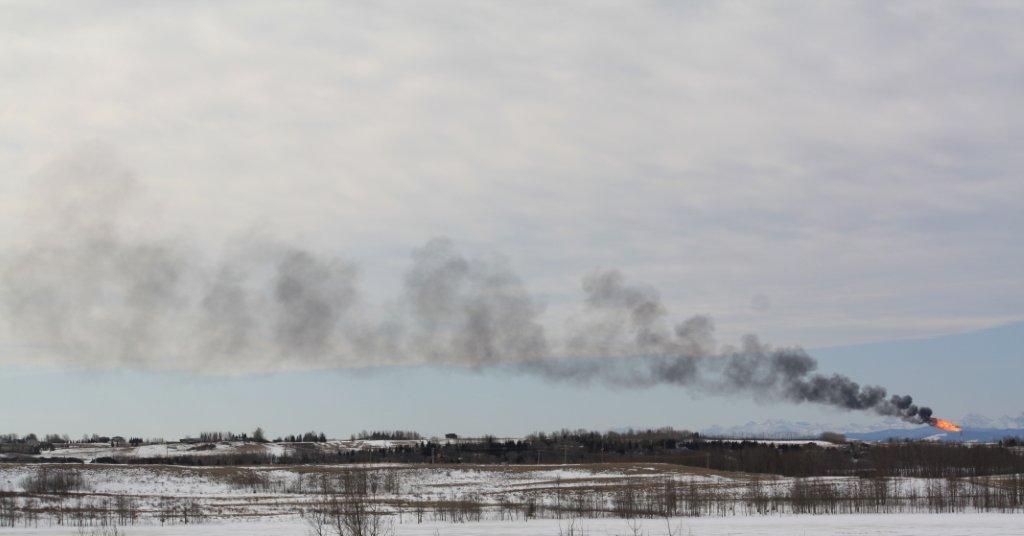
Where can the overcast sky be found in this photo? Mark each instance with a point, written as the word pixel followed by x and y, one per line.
pixel 817 173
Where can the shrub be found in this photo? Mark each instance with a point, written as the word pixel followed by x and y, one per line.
pixel 53 480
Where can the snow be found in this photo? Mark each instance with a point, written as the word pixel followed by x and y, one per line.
pixel 837 525
pixel 270 504
pixel 780 441
pixel 275 449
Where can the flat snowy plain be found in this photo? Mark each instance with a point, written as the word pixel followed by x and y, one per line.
pixel 846 525
pixel 265 500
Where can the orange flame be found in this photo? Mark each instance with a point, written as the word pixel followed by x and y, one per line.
pixel 943 424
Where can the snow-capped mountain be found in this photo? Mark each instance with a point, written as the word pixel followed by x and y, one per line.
pixel 780 428
pixel 975 420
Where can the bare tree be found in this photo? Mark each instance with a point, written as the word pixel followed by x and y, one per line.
pixel 347 511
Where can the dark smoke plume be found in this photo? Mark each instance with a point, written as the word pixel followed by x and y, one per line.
pixel 629 321
pixel 93 295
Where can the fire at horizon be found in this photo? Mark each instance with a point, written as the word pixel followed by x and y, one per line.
pixel 943 424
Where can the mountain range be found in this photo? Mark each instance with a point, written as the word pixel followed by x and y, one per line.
pixel 976 428
pixel 975 374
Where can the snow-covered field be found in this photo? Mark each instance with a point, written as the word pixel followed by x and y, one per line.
pixel 838 525
pixel 491 499
pixel 255 489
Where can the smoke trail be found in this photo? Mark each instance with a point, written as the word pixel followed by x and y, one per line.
pixel 470 311
pixel 630 322
pixel 97 296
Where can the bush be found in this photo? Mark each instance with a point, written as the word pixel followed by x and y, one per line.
pixel 53 480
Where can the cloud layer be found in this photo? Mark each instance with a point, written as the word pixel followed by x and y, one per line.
pixel 816 174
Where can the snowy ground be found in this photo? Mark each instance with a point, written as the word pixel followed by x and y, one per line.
pixel 269 500
pixel 282 490
pixel 838 525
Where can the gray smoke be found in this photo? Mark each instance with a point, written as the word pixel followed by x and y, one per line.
pixel 470 311
pixel 94 295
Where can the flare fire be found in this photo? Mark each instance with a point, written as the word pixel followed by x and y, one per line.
pixel 943 424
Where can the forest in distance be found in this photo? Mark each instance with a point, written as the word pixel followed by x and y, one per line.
pixel 829 455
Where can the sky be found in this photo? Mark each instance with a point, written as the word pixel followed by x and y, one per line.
pixel 960 375
pixel 820 174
